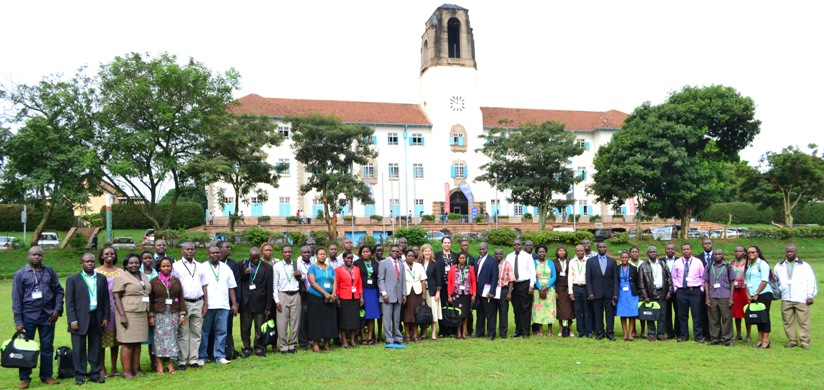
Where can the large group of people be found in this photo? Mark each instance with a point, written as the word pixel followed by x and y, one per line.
pixel 183 310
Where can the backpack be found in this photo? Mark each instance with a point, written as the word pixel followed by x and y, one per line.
pixel 774 285
pixel 65 364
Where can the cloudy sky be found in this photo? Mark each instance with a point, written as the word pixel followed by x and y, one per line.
pixel 594 55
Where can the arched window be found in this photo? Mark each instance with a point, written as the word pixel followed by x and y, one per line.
pixel 453 28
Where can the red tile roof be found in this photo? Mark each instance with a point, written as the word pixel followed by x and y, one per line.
pixel 574 120
pixel 398 113
pixel 353 112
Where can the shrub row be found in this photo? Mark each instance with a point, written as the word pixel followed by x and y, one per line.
pixel 414 235
pixel 128 216
pixel 742 212
pixel 61 219
pixel 554 238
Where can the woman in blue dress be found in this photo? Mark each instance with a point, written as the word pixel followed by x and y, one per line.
pixel 627 307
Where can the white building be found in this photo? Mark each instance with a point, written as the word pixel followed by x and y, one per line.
pixel 426 149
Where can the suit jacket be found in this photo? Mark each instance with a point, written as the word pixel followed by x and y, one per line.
pixel 451 280
pixel 488 274
pixel 434 276
pixel 646 282
pixel 262 297
pixel 389 282
pixel 77 302
pixel 446 265
pixel 364 273
pixel 602 285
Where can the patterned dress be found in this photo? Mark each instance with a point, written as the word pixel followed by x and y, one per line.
pixel 543 310
pixel 110 332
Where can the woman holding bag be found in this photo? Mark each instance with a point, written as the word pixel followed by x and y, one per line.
pixel 462 289
pixel 434 281
pixel 757 278
pixel 415 279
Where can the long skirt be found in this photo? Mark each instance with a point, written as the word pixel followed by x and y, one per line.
pixel 437 313
pixel 322 318
pixel 408 311
pixel 165 334
pixel 564 308
pixel 543 310
pixel 370 304
pixel 350 314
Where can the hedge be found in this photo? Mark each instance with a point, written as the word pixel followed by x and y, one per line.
pixel 809 213
pixel 414 235
pixel 554 238
pixel 742 213
pixel 501 236
pixel 128 216
pixel 62 218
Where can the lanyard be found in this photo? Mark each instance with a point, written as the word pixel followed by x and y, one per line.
pixel 92 286
pixel 580 265
pixel 192 272
pixel 749 271
pixel 564 266
pixel 351 274
pixel 546 272
pixel 720 271
pixel 254 274
pixel 462 274
pixel 368 269
pixel 412 273
pixel 142 283
pixel 217 274
pixel 790 269
pixel 36 284
pixel 625 275
pixel 288 274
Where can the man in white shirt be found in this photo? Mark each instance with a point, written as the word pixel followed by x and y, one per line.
pixel 287 279
pixel 221 299
pixel 335 261
pixel 194 284
pixel 798 289
pixel 524 268
pixel 584 323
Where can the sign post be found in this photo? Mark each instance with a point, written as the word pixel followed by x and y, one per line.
pixel 108 218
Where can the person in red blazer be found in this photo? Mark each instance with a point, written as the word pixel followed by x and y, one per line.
pixel 462 288
pixel 350 298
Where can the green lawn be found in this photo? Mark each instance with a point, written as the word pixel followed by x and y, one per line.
pixel 503 363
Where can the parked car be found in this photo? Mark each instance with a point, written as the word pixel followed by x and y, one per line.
pixel 148 237
pixel 645 233
pixel 436 235
pixel 695 233
pixel 123 243
pixel 602 234
pixel 48 240
pixel 7 242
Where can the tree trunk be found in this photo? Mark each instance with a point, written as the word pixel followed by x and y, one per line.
pixel 331 220
pixel 788 211
pixel 542 217
pixel 42 225
pixel 685 224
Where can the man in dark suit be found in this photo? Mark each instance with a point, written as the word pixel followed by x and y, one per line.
pixel 602 291
pixel 707 259
pixel 673 327
pixel 257 299
pixel 447 259
pixel 486 268
pixel 87 311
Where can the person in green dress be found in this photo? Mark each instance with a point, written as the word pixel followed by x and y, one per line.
pixel 543 304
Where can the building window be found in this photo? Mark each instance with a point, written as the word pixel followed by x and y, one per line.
pixel 453 30
pixel 456 140
pixel 284 131
pixel 284 200
pixel 417 171
pixel 282 162
pixel 417 139
pixel 583 209
pixel 582 172
pixel 369 171
pixel 393 138
pixel 582 144
pixel 394 171
pixel 255 200
pixel 519 210
pixel 230 200
pixel 459 170
pixel 418 202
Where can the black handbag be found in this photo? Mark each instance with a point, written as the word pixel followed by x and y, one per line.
pixel 452 316
pixel 649 312
pixel 65 365
pixel 423 314
pixel 268 333
pixel 20 352
pixel 756 313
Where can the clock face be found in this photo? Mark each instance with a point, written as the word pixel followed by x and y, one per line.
pixel 456 103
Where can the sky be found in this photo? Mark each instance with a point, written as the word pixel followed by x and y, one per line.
pixel 570 55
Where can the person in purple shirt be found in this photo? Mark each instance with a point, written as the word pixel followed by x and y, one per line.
pixel 37 302
pixel 688 284
pixel 719 278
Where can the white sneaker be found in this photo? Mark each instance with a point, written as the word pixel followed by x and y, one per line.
pixel 223 361
pixel 201 363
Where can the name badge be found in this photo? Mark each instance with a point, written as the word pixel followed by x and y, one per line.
pixel 369 282
pixel 252 287
pixel 447 267
pixel 461 288
pixel 36 294
pixel 327 285
pixel 626 288
pixel 169 301
pixel 717 285
pixel 563 273
pixel 144 299
pixel 736 283
pixel 354 290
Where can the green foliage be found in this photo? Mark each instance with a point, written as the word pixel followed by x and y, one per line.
pixel 264 219
pixel 189 193
pixel 367 240
pixel 532 161
pixel 556 238
pixel 319 214
pixel 232 236
pixel 298 239
pixel 810 213
pixel 256 236
pixel 742 213
pixel 172 236
pixel 91 220
pixel 77 242
pixel 594 218
pixel 198 238
pixel 501 236
pixel 785 233
pixel 503 217
pixel 376 217
pixel 157 117
pixel 479 219
pixel 128 216
pixel 453 216
pixel 322 238
pixel 414 235
pixel 428 217
pixel 292 218
pixel 62 218
pixel 527 216
pixel 349 218
pixel 619 238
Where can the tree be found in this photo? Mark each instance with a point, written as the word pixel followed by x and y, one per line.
pixel 789 179
pixel 50 160
pixel 235 157
pixel 188 193
pixel 532 161
pixel 672 156
pixel 157 115
pixel 329 149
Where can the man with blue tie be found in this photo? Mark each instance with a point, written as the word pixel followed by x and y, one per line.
pixel 602 291
pixel 486 268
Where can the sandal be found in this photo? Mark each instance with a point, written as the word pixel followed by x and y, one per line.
pixel 758 344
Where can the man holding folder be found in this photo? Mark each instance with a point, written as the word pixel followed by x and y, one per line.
pixel 487 277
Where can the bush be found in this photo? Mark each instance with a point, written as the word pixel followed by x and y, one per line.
pixel 319 214
pixel 619 238
pixel 784 233
pixel 595 218
pixel 292 218
pixel 501 236
pixel 91 220
pixel 349 218
pixel 367 240
pixel 77 241
pixel 376 217
pixel 503 217
pixel 527 216
pixel 479 219
pixel 742 212
pixel 428 217
pixel 256 236
pixel 264 218
pixel 453 216
pixel 414 235
pixel 128 216
pixel 809 213
pixel 298 239
pixel 171 236
pixel 61 219
pixel 197 238
pixel 555 238
pixel 322 238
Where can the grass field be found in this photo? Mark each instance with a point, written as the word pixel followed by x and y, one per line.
pixel 503 363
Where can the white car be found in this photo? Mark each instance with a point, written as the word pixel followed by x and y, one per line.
pixel 7 242
pixel 126 243
pixel 48 240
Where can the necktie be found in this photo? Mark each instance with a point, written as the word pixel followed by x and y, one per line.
pixel 481 263
pixel 686 273
pixel 397 270
pixel 516 265
pixel 603 262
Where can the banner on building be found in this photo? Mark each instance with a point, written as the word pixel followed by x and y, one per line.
pixel 446 200
pixel 464 187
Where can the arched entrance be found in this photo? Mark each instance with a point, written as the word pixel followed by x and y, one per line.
pixel 458 203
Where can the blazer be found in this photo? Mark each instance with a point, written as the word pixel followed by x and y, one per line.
pixel 77 302
pixel 262 297
pixel 473 290
pixel 646 282
pixel 158 296
pixel 488 274
pixel 633 279
pixel 602 285
pixel 346 281
pixel 365 272
pixel 389 282
pixel 434 276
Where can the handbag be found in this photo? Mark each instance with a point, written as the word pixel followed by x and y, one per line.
pixel 756 313
pixel 775 286
pixel 65 365
pixel 649 311
pixel 423 314
pixel 268 333
pixel 19 352
pixel 452 316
